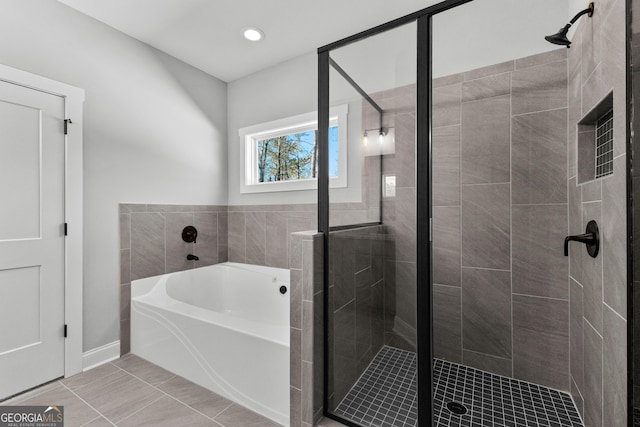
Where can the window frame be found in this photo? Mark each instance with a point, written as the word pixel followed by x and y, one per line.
pixel 250 135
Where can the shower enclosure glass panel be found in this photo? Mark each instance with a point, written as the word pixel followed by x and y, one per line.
pixel 372 240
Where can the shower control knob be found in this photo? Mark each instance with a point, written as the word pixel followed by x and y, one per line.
pixel 283 289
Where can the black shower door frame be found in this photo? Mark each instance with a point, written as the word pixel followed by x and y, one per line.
pixel 423 195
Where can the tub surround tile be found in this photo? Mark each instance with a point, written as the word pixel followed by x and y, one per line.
pixel 295 372
pixel 256 238
pixel 206 246
pixel 295 401
pixel 125 336
pixel 295 293
pixel 277 253
pixel 223 235
pixel 151 244
pixel 176 248
pixel 147 245
pixel 125 231
pixel 125 266
pixel 237 237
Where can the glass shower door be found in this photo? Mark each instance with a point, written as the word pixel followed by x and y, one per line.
pixel 372 245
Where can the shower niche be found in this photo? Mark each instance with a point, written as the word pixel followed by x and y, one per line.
pixel 595 142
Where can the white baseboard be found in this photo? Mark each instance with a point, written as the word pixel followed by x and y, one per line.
pixel 405 330
pixel 100 355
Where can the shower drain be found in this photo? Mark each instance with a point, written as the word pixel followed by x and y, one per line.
pixel 457 408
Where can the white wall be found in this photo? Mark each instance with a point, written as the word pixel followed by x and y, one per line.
pixel 155 131
pixel 288 89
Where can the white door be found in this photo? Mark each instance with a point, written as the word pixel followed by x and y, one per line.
pixel 31 238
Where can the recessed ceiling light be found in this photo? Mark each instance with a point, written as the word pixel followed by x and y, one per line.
pixel 253 34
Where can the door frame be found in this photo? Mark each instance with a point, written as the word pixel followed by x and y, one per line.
pixel 73 105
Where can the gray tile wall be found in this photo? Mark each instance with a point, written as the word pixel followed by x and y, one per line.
pixel 357 290
pixel 597 292
pixel 501 298
pixel 151 244
pixel 306 326
pixel 399 213
pixel 259 234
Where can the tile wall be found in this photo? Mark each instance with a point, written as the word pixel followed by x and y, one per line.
pixel 598 306
pixel 501 300
pixel 306 338
pixel 151 244
pixel 259 234
pixel 360 302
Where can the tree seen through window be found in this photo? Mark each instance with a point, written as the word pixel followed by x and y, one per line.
pixel 294 156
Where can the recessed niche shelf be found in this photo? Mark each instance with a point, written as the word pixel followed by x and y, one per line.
pixel 595 142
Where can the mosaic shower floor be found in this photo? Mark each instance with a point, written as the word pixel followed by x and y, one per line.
pixel 385 395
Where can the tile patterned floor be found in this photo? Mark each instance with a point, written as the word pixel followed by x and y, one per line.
pixel 385 396
pixel 133 392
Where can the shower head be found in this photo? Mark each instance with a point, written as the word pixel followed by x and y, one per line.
pixel 561 36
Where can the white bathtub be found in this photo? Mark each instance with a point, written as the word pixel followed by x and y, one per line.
pixel 224 327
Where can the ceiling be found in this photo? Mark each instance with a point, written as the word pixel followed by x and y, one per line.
pixel 208 33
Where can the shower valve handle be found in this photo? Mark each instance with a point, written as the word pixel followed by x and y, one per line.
pixel 591 238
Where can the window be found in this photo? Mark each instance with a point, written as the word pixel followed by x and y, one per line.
pixel 282 155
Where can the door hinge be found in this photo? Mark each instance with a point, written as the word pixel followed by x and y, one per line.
pixel 65 331
pixel 66 125
pixel 66 228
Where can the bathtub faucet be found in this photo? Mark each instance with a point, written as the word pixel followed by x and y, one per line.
pixel 192 257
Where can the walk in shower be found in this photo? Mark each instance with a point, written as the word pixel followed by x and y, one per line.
pixel 474 148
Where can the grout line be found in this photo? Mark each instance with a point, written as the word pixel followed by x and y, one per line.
pixel 541 111
pixel 540 297
pixel 172 397
pixel 87 403
pixel 140 410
